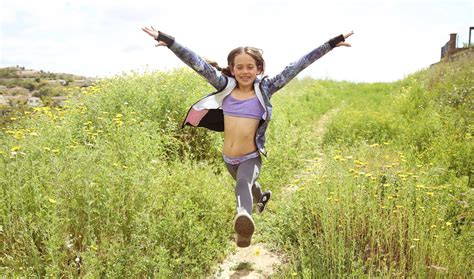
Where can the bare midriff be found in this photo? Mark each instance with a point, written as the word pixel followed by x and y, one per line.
pixel 239 135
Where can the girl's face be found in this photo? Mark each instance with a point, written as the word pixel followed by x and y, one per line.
pixel 245 69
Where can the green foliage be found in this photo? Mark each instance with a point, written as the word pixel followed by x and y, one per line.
pixel 47 84
pixel 369 118
pixel 107 182
pixel 9 72
pixel 393 194
pixel 429 112
pixel 289 140
pixel 111 186
pixel 369 214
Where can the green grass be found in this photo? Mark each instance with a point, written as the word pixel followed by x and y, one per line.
pixel 111 186
pixel 110 180
pixel 393 196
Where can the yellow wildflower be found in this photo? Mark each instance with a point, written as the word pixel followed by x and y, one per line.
pixel 18 135
pixel 16 148
pixel 257 252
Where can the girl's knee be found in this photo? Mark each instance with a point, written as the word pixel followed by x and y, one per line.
pixel 243 182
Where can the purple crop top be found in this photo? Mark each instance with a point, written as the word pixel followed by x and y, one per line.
pixel 249 108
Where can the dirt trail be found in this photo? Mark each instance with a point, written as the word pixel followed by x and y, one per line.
pixel 257 260
pixel 313 165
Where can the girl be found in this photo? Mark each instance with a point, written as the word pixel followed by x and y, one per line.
pixel 240 108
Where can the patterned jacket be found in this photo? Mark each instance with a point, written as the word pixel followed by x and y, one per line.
pixel 207 112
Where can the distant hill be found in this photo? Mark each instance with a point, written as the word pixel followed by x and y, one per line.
pixel 36 87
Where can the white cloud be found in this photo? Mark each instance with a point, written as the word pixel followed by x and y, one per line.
pixel 97 38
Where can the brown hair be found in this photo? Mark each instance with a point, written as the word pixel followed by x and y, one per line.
pixel 255 53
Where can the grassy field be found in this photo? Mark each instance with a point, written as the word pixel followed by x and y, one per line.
pixel 394 190
pixel 111 186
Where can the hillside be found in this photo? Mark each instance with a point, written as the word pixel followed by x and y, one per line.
pixel 20 86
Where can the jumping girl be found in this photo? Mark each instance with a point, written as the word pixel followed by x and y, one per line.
pixel 241 108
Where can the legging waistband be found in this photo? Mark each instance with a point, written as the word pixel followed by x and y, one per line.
pixel 240 159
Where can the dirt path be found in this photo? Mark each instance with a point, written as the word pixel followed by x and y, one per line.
pixel 257 260
pixel 313 165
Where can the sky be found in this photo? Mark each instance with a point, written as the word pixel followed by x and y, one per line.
pixel 391 40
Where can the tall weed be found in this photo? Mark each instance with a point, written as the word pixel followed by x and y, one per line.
pixel 394 192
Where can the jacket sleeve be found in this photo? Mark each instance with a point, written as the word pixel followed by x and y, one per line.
pixel 277 82
pixel 199 65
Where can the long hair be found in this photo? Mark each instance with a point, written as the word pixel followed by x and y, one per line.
pixel 255 53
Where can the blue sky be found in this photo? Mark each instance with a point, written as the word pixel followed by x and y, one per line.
pixel 103 38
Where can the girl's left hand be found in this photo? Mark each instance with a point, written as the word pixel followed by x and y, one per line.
pixel 345 37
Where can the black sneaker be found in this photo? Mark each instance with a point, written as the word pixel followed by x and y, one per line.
pixel 263 200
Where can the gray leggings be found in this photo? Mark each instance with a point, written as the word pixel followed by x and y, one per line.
pixel 246 175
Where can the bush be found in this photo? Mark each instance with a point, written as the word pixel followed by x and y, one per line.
pixel 9 72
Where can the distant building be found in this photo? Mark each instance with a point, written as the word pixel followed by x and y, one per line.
pixel 450 48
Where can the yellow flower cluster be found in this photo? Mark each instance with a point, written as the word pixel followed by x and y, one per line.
pixel 91 90
pixel 118 119
pixel 90 130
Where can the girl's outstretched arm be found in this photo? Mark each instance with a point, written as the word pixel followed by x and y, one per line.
pixel 280 80
pixel 191 59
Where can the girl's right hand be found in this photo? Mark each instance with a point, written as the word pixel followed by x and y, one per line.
pixel 154 34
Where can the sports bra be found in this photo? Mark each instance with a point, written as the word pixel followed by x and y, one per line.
pixel 249 108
